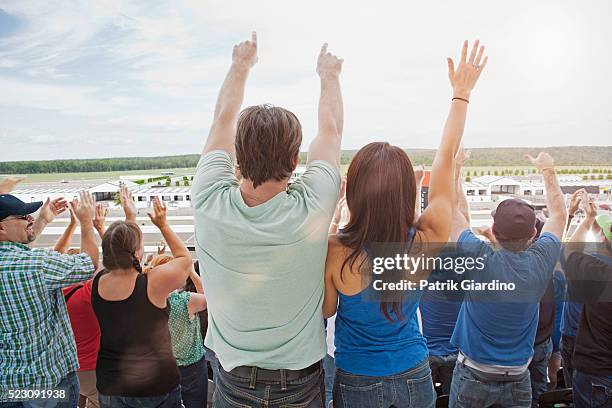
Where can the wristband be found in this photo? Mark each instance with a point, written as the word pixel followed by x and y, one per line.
pixel 547 168
pixel 461 99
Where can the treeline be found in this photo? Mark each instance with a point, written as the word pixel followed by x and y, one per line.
pixel 564 156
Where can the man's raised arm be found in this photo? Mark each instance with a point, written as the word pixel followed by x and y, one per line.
pixel 326 146
pixel 554 196
pixel 223 130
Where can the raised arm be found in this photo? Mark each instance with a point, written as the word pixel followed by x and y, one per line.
pixel 222 134
pixel 84 211
pixel 419 174
pixel 99 218
pixel 63 243
pixel 127 203
pixel 197 303
pixel 557 212
pixel 172 275
pixel 436 219
pixel 326 145
pixel 580 235
pixel 47 213
pixel 461 211
pixel 572 208
pixel 8 184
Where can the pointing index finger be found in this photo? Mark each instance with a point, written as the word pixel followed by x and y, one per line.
pixel 324 48
pixel 254 37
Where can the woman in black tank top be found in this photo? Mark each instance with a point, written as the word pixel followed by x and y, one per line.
pixel 135 363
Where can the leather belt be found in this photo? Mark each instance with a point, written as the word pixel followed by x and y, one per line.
pixel 261 374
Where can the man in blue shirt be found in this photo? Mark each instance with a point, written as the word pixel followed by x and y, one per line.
pixel 496 328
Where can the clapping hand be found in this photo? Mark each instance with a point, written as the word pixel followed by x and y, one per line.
pixel 52 208
pixel 84 208
pixel 158 216
pixel 127 203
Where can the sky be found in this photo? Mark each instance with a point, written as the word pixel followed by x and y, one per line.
pixel 119 78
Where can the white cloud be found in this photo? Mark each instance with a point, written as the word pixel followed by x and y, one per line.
pixel 124 67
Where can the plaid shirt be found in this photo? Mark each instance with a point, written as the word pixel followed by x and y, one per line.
pixel 37 348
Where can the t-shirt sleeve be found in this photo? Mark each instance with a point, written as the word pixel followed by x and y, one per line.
pixel 545 252
pixel 468 244
pixel 214 169
pixel 320 184
pixel 61 270
pixel 589 279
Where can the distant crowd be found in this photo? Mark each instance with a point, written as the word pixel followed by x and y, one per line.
pixel 280 305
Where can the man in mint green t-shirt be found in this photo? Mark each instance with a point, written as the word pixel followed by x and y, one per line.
pixel 262 243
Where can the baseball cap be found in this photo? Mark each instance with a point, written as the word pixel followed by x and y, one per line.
pixel 11 205
pixel 605 222
pixel 514 219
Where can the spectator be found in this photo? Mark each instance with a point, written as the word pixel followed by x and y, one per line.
pixel 264 242
pixel 554 364
pixel 543 347
pixel 82 317
pixel 495 331
pixel 135 363
pixel 187 345
pixel 37 348
pixel 571 312
pixel 381 357
pixel 439 308
pixel 329 364
pixel 588 279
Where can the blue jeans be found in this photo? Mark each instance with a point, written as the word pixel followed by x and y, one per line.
pixel 211 357
pixel 169 400
pixel 70 383
pixel 470 389
pixel 538 370
pixel 410 389
pixel 233 391
pixel 591 391
pixel 194 384
pixel 329 367
pixel 442 370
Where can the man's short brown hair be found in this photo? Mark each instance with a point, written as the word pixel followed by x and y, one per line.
pixel 268 142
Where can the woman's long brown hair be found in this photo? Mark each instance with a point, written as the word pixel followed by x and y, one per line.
pixel 381 196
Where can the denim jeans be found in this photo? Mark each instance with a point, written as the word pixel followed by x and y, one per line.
pixel 411 389
pixel 211 357
pixel 591 391
pixel 194 384
pixel 470 389
pixel 233 391
pixel 538 370
pixel 566 346
pixel 169 400
pixel 329 367
pixel 70 383
pixel 442 370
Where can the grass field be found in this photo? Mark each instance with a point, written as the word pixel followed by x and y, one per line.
pixel 113 175
pixel 108 175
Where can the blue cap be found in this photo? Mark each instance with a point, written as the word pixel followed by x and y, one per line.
pixel 11 205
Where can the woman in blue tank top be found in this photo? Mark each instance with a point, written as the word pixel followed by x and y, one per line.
pixel 381 356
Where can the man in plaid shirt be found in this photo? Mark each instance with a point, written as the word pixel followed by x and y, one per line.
pixel 37 348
